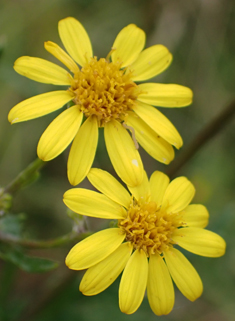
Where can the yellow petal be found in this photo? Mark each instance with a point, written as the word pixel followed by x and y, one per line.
pixel 128 44
pixel 100 276
pixel 90 203
pixel 94 249
pixel 75 39
pixel 158 185
pixel 159 123
pixel 109 186
pixel 178 195
pixel 195 215
pixel 160 289
pixel 59 133
pixel 123 154
pixel 200 241
pixel 133 282
pixel 83 151
pixel 163 95
pixel 184 275
pixel 142 191
pixel 39 105
pixel 151 62
pixel 42 71
pixel 154 145
pixel 61 55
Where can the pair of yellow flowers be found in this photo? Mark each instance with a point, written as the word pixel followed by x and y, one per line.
pixel 153 215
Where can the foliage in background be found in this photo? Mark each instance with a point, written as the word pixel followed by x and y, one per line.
pixel 200 35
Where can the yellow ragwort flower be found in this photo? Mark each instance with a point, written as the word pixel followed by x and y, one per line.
pixel 151 221
pixel 105 92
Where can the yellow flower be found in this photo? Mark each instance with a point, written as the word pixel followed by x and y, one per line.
pixel 151 221
pixel 105 93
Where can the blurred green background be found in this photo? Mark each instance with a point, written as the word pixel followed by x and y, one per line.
pixel 200 35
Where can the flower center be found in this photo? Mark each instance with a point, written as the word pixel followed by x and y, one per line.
pixel 102 89
pixel 149 228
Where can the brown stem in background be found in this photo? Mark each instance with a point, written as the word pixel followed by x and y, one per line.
pixel 208 132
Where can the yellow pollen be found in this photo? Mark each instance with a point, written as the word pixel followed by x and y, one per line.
pixel 149 228
pixel 102 89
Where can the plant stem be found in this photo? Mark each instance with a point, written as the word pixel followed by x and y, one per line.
pixel 25 177
pixel 208 132
pixel 32 244
pixel 202 138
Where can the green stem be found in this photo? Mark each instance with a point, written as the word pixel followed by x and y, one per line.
pixel 32 244
pixel 25 177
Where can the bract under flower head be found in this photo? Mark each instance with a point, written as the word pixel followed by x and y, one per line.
pixel 104 93
pixel 154 218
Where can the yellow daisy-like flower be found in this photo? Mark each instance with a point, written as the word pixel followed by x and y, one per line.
pixel 151 221
pixel 105 92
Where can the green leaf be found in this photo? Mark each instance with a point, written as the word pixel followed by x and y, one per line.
pixel 12 223
pixel 24 262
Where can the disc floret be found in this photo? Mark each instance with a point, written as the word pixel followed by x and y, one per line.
pixel 103 89
pixel 148 227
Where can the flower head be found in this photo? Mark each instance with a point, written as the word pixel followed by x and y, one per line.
pixel 104 93
pixel 151 222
